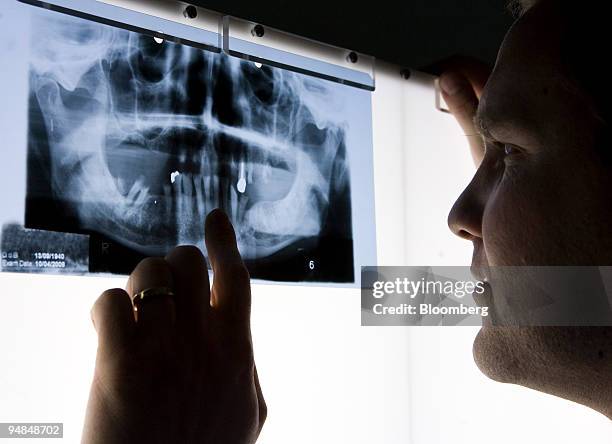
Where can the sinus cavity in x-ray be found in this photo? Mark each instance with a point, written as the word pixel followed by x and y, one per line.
pixel 134 140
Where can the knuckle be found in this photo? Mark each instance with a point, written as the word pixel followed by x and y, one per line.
pixel 242 370
pixel 151 262
pixel 186 251
pixel 151 271
pixel 465 106
pixel 239 273
pixel 263 411
pixel 108 299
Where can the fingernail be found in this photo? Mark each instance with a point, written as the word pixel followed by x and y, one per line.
pixel 217 214
pixel 451 83
pixel 216 220
pixel 219 227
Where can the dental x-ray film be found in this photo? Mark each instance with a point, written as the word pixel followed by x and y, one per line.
pixel 124 143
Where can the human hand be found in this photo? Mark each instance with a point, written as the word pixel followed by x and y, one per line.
pixel 461 83
pixel 180 369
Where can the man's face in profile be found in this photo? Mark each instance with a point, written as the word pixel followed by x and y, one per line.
pixel 541 196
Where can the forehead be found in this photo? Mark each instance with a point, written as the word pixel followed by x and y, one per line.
pixel 529 82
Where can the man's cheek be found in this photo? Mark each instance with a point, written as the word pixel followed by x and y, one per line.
pixel 514 228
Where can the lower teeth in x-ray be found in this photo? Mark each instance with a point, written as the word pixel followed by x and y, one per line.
pixel 136 141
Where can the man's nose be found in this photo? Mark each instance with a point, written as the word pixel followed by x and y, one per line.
pixel 465 218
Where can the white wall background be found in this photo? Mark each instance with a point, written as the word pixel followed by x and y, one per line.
pixel 325 378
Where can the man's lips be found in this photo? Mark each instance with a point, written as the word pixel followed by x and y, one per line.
pixel 483 299
pixel 482 274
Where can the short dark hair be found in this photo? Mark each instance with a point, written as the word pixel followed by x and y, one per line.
pixel 583 51
pixel 518 7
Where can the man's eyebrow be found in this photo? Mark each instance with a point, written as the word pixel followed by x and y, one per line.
pixel 481 126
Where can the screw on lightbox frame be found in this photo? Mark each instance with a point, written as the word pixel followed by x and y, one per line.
pixel 258 31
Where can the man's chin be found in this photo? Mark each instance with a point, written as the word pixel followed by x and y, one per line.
pixel 574 363
pixel 495 354
pixel 522 355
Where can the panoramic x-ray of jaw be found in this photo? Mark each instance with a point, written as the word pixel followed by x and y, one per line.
pixel 137 139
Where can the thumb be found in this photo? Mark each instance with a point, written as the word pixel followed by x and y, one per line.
pixel 462 102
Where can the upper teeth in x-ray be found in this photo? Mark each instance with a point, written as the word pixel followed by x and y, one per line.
pixel 145 138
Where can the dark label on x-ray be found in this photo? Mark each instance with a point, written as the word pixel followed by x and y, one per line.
pixel 108 256
pixel 134 141
pixel 38 251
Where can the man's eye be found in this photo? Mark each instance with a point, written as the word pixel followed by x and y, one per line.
pixel 513 156
pixel 510 150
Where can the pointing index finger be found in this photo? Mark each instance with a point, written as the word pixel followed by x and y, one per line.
pixel 231 292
